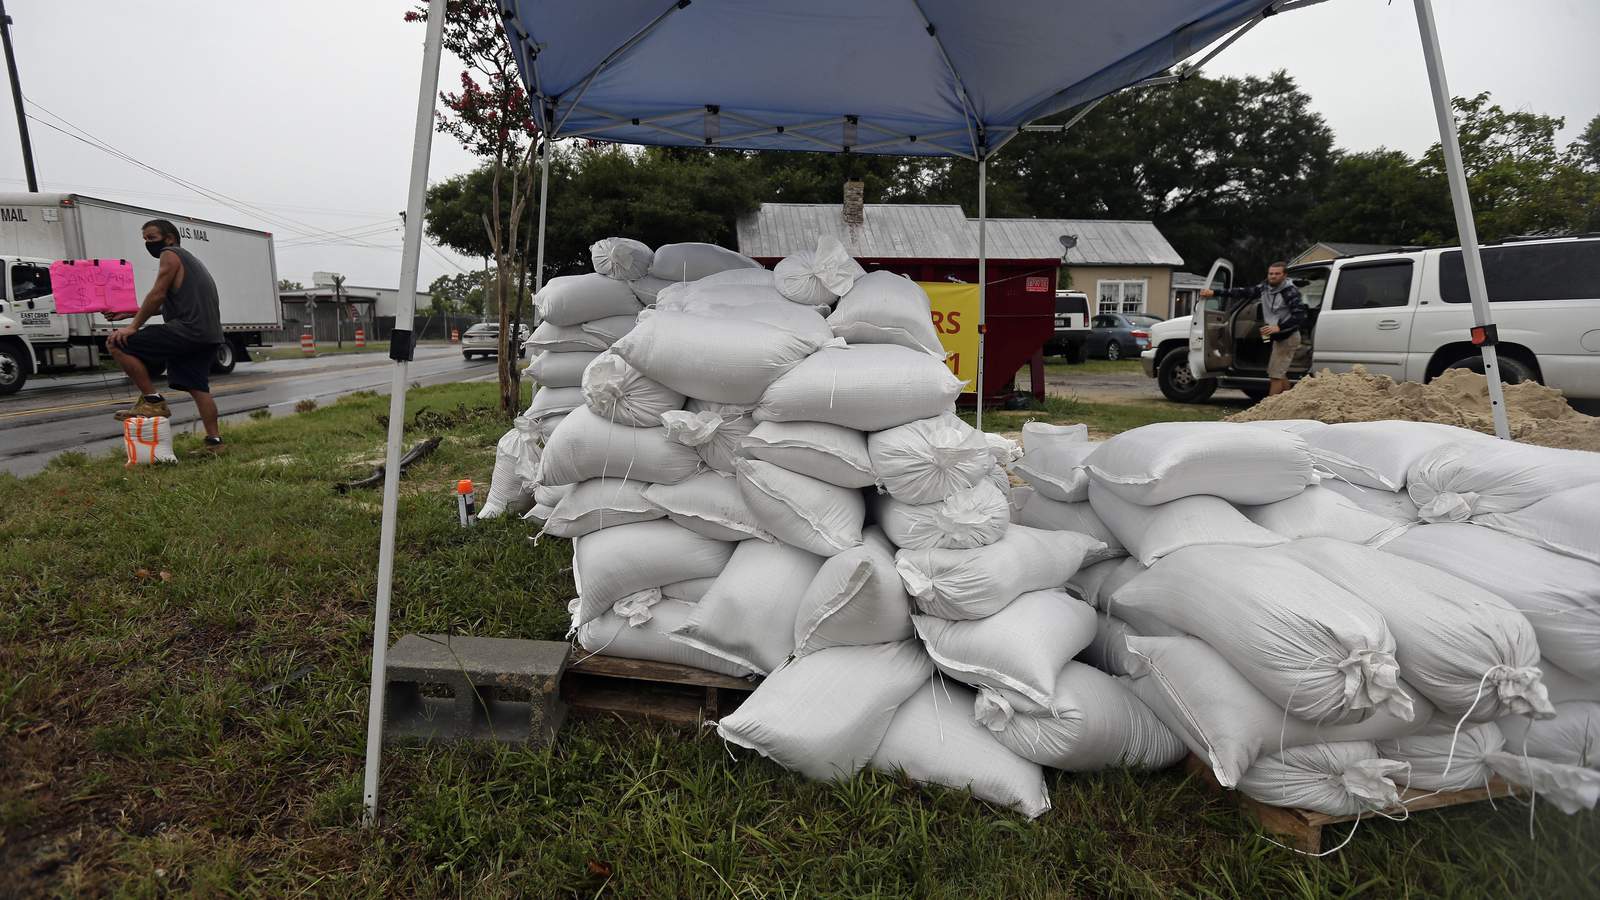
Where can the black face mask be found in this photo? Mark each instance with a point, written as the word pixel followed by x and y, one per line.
pixel 155 247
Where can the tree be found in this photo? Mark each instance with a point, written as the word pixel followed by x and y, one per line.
pixel 491 117
pixel 1585 150
pixel 1382 197
pixel 460 294
pixel 1223 166
pixel 285 284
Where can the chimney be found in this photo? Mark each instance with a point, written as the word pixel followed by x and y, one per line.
pixel 854 192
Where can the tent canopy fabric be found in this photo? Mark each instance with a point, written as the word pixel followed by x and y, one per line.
pixel 895 77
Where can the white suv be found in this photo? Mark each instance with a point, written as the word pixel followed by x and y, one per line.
pixel 1405 314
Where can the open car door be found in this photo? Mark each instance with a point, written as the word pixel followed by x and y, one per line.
pixel 1211 327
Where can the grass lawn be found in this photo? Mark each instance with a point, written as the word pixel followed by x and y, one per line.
pixel 183 685
pixel 1055 365
pixel 1105 418
pixel 324 348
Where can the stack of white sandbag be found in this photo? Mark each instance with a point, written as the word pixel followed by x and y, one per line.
pixel 1258 616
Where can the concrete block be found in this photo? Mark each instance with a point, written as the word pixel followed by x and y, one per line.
pixel 453 687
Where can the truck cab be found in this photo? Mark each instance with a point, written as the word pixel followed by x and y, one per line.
pixel 32 336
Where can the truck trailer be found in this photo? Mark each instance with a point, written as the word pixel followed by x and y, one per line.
pixel 37 229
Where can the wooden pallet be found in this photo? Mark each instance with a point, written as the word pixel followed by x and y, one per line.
pixel 1302 828
pixel 639 690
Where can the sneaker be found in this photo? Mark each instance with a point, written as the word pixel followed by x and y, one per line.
pixel 145 408
pixel 211 444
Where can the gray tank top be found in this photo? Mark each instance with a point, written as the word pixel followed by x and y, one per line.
pixel 192 310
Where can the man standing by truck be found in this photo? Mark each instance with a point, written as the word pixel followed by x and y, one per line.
pixel 1283 311
pixel 185 296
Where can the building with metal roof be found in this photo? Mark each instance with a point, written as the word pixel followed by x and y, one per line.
pixel 1124 265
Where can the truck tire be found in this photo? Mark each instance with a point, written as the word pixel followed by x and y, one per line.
pixel 1178 384
pixel 1076 353
pixel 14 367
pixel 227 358
pixel 1512 369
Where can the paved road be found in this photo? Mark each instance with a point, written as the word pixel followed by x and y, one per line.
pixel 51 415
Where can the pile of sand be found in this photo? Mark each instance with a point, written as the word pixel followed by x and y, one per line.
pixel 1538 415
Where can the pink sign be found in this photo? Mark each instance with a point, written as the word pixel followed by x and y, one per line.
pixel 93 286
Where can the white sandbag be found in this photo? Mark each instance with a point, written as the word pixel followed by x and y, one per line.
pixel 1455 481
pixel 885 308
pixel 710 504
pixel 1058 472
pixel 756 277
pixel 1228 722
pixel 928 460
pixel 1004 450
pixel 856 598
pixel 1564 686
pixel 1030 508
pixel 542 429
pixel 1571 789
pixel 1340 779
pixel 1099 582
pixel 1397 506
pixel 721 360
pixel 933 740
pixel 830 453
pixel 824 715
pixel 971 584
pixel 1108 650
pixel 1317 512
pixel 590 336
pixel 1167 460
pixel 1563 522
pixel 1001 480
pixel 1020 648
pixel 690 591
pixel 748 616
pixel 715 431
pixel 1378 454
pixel 147 440
pixel 1445 762
pixel 974 517
pixel 646 289
pixel 867 387
pixel 1307 643
pixel 1465 649
pixel 587 446
pixel 617 392
pixel 575 299
pixel 601 503
pixel 749 303
pixel 549 402
pixel 1152 532
pixel 1559 594
pixel 1045 435
pixel 1090 722
pixel 612 563
pixel 820 276
pixel 539 513
pixel 623 259
pixel 527 465
pixel 1572 737
pixel 693 261
pixel 613 635
pixel 802 511
pixel 507 490
pixel 1293 426
pixel 557 369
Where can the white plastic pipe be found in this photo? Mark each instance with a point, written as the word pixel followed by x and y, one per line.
pixel 983 277
pixel 1456 173
pixel 404 318
pixel 544 203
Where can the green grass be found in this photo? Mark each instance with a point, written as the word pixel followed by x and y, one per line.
pixel 1056 366
pixel 1106 418
pixel 183 672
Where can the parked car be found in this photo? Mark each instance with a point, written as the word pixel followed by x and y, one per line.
pixel 1119 335
pixel 483 339
pixel 1072 326
pixel 1405 314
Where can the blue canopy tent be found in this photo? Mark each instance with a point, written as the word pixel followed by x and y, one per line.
pixel 907 78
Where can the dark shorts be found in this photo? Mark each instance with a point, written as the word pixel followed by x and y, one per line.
pixel 188 362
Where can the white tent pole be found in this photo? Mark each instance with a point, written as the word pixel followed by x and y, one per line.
pixel 1459 198
pixel 983 275
pixel 400 347
pixel 544 201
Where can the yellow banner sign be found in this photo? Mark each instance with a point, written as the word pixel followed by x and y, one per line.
pixel 955 317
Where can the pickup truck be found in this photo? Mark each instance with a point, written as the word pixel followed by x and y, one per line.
pixel 1405 314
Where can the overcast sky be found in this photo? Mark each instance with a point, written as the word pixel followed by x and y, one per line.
pixel 300 111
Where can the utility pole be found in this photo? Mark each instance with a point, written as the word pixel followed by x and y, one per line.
pixel 338 310
pixel 16 100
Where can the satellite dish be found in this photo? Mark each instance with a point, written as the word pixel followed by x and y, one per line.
pixel 1068 241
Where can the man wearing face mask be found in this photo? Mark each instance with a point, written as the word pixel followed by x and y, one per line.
pixel 185 296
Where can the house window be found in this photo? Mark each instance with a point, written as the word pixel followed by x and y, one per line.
pixel 1121 296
